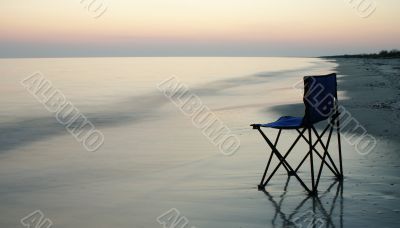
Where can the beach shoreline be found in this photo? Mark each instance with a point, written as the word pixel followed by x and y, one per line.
pixel 374 85
pixel 371 92
pixel 150 165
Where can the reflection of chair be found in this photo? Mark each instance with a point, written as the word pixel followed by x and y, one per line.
pixel 316 216
pixel 320 100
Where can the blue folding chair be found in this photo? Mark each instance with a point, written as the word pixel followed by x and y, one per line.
pixel 321 103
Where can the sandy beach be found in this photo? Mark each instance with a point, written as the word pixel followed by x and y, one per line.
pixel 154 160
pixel 199 114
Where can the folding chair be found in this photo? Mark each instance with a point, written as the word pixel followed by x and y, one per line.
pixel 321 103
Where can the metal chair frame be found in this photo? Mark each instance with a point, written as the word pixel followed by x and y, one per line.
pixel 326 158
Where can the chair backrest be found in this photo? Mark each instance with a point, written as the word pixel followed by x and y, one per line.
pixel 320 97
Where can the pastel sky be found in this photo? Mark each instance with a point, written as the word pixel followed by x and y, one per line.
pixel 56 28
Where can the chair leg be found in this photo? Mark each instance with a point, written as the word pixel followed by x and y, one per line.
pixel 319 139
pixel 340 149
pixel 311 152
pixel 275 144
pixel 260 186
pixel 325 153
pixel 317 153
pixel 282 159
pixel 311 160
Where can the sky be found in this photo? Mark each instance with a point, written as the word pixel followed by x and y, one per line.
pixel 75 28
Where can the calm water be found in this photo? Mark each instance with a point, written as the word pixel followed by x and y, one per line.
pixel 118 91
pixel 105 80
pixel 153 158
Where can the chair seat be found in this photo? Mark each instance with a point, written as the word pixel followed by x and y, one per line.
pixel 285 122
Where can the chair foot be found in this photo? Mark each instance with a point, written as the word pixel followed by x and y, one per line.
pixel 313 193
pixel 339 177
pixel 291 173
pixel 261 187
